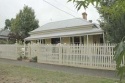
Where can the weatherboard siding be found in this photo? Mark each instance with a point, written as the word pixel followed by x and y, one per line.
pixel 47 41
pixel 65 40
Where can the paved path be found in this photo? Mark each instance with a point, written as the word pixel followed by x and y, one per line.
pixel 73 70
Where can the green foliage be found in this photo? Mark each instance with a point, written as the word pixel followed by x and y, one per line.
pixel 112 14
pixel 3 41
pixel 113 25
pixel 20 58
pixel 25 57
pixel 7 24
pixel 119 56
pixel 84 3
pixel 23 23
pixel 113 7
pixel 114 28
pixel 34 59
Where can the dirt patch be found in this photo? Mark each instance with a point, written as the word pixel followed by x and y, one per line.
pixel 11 79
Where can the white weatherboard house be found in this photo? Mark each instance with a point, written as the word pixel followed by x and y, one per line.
pixel 80 44
pixel 71 31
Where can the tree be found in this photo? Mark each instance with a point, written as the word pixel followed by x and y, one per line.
pixel 119 57
pixel 7 24
pixel 113 7
pixel 113 15
pixel 23 23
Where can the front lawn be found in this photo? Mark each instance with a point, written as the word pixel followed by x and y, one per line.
pixel 20 74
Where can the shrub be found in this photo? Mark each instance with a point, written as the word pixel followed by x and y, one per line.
pixel 34 59
pixel 25 57
pixel 19 58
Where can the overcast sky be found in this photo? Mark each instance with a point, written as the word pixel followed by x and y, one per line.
pixel 44 12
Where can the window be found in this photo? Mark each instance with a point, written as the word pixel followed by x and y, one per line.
pixel 76 40
pixel 55 40
pixel 71 40
pixel 43 41
pixel 101 40
pixel 82 39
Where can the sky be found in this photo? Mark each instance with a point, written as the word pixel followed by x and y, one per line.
pixel 45 12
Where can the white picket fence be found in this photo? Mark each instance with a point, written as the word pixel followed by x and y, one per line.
pixel 10 51
pixel 93 56
pixel 87 56
pixel 13 51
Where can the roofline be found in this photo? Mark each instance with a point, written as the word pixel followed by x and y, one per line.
pixel 63 28
pixel 62 20
pixel 79 34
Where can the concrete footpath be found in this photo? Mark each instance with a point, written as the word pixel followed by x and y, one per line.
pixel 66 69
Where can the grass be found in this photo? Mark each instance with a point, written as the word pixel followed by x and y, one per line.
pixel 20 74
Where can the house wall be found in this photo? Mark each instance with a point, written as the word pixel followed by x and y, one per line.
pixel 33 41
pixel 65 40
pixel 92 39
pixel 47 41
pixel 85 39
pixel 96 39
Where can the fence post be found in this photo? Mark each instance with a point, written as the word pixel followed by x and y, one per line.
pixel 90 54
pixel 16 50
pixel 60 54
pixel 24 48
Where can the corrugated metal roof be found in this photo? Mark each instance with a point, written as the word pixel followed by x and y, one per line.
pixel 64 34
pixel 2 37
pixel 4 32
pixel 63 24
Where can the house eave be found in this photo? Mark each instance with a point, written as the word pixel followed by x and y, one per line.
pixel 61 29
pixel 66 34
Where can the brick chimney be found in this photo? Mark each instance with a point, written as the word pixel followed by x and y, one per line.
pixel 84 15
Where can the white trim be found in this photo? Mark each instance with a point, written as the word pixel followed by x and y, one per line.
pixel 87 40
pixel 103 38
pixel 62 29
pixel 67 34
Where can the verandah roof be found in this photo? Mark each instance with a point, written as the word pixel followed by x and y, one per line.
pixel 93 31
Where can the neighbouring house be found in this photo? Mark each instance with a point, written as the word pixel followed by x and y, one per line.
pixel 4 35
pixel 71 31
